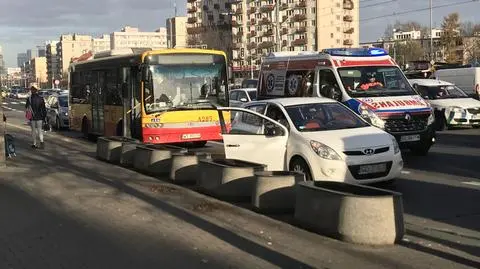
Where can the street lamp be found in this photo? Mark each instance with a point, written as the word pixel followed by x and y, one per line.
pixel 431 34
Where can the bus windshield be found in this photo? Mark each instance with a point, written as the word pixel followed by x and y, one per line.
pixel 374 81
pixel 185 86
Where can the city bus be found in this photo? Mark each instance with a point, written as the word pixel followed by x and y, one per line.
pixel 156 96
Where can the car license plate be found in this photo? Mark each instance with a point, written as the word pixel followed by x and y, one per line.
pixel 409 138
pixel 372 169
pixel 191 136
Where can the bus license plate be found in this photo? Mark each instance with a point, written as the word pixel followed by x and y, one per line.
pixel 191 136
pixel 372 169
pixel 409 138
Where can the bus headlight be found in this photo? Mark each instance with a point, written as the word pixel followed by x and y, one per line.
pixel 154 125
pixel 371 117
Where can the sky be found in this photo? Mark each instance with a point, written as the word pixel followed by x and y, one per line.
pixel 25 24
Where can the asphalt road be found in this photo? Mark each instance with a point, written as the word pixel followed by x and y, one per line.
pixel 441 193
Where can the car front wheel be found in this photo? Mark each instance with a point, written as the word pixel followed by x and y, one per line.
pixel 299 165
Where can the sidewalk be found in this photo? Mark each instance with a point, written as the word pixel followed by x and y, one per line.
pixel 65 209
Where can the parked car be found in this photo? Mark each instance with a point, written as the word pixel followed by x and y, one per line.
pixel 57 111
pixel 44 93
pixel 249 83
pixel 22 94
pixel 238 97
pixel 452 106
pixel 319 137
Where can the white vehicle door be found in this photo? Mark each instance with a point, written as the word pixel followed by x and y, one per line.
pixel 253 137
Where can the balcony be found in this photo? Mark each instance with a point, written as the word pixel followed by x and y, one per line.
pixel 238 11
pixel 191 1
pixel 301 4
pixel 349 31
pixel 192 10
pixel 347 18
pixel 299 17
pixel 236 23
pixel 299 42
pixel 284 31
pixel 252 10
pixel 269 32
pixel 210 17
pixel 253 21
pixel 253 33
pixel 216 6
pixel 195 30
pixel 192 20
pixel 238 35
pixel 283 6
pixel 252 45
pixel 284 43
pixel 267 8
pixel 264 21
pixel 236 46
pixel 300 30
pixel 205 8
pixel 266 45
pixel 348 4
pixel 348 42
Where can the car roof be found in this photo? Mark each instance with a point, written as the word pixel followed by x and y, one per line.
pixel 429 82
pixel 291 101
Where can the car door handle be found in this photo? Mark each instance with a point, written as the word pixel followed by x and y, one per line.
pixel 233 145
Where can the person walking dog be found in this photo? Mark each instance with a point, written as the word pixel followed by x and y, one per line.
pixel 36 112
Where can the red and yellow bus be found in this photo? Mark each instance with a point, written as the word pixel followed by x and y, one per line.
pixel 163 96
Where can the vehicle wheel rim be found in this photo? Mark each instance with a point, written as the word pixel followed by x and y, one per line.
pixel 298 168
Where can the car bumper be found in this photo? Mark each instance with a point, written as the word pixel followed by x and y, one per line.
pixel 460 119
pixel 427 136
pixel 347 171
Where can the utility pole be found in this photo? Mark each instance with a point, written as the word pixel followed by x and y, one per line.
pixel 431 30
pixel 277 25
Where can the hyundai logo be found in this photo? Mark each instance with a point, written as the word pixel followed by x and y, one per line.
pixel 368 151
pixel 408 117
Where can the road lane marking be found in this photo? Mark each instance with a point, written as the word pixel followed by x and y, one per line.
pixel 473 183
pixel 405 172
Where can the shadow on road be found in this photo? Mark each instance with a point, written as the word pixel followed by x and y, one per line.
pixel 61 161
pixel 34 236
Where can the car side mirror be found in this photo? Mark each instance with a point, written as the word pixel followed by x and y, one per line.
pixel 244 100
pixel 273 130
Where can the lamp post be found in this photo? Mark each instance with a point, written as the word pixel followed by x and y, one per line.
pixel 431 29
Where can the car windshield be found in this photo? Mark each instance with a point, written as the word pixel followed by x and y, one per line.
pixel 374 81
pixel 249 83
pixel 185 86
pixel 63 101
pixel 441 92
pixel 253 95
pixel 323 117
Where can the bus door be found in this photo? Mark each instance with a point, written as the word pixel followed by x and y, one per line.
pixel 98 123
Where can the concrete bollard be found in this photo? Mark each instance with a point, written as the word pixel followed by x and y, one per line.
pixel 154 160
pixel 110 148
pixel 127 153
pixel 184 168
pixel 352 213
pixel 228 179
pixel 274 191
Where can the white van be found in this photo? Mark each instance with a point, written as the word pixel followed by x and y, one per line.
pixel 467 79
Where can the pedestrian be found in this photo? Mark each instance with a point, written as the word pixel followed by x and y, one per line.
pixel 36 112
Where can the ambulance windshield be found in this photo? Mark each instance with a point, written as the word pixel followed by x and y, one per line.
pixel 373 81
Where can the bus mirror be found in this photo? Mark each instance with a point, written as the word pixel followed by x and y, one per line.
pixel 230 72
pixel 144 70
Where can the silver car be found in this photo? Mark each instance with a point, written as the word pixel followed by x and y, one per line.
pixel 238 97
pixel 57 111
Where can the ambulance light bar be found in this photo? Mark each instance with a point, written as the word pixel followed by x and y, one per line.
pixel 356 52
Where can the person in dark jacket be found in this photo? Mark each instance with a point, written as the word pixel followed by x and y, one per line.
pixel 36 105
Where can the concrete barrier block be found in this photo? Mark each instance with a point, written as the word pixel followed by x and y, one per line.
pixel 353 213
pixel 127 154
pixel 110 148
pixel 154 160
pixel 274 190
pixel 184 168
pixel 228 179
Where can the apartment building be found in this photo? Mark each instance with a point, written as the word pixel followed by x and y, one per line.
pixel 71 46
pixel 177 32
pixel 39 69
pixel 131 37
pixel 53 71
pixel 101 44
pixel 263 26
pixel 22 58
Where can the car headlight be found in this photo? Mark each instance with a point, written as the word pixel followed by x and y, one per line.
pixel 65 113
pixel 396 147
pixel 431 118
pixel 324 151
pixel 371 117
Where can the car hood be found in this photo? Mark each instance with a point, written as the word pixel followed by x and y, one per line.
pixel 351 139
pixel 458 102
pixel 394 103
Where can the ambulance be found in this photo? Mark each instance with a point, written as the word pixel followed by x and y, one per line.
pixel 367 80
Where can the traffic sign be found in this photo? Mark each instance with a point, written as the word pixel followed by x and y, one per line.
pixel 57 82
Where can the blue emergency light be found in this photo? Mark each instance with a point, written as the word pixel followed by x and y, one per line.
pixel 356 52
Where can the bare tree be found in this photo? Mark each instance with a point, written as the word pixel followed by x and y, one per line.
pixel 451 37
pixel 409 51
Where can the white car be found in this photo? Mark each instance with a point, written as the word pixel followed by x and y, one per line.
pixel 317 136
pixel 22 94
pixel 238 97
pixel 452 106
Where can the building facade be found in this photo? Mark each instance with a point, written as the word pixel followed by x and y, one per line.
pixel 259 27
pixel 53 71
pixel 39 69
pixel 130 37
pixel 101 44
pixel 177 32
pixel 71 46
pixel 21 59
